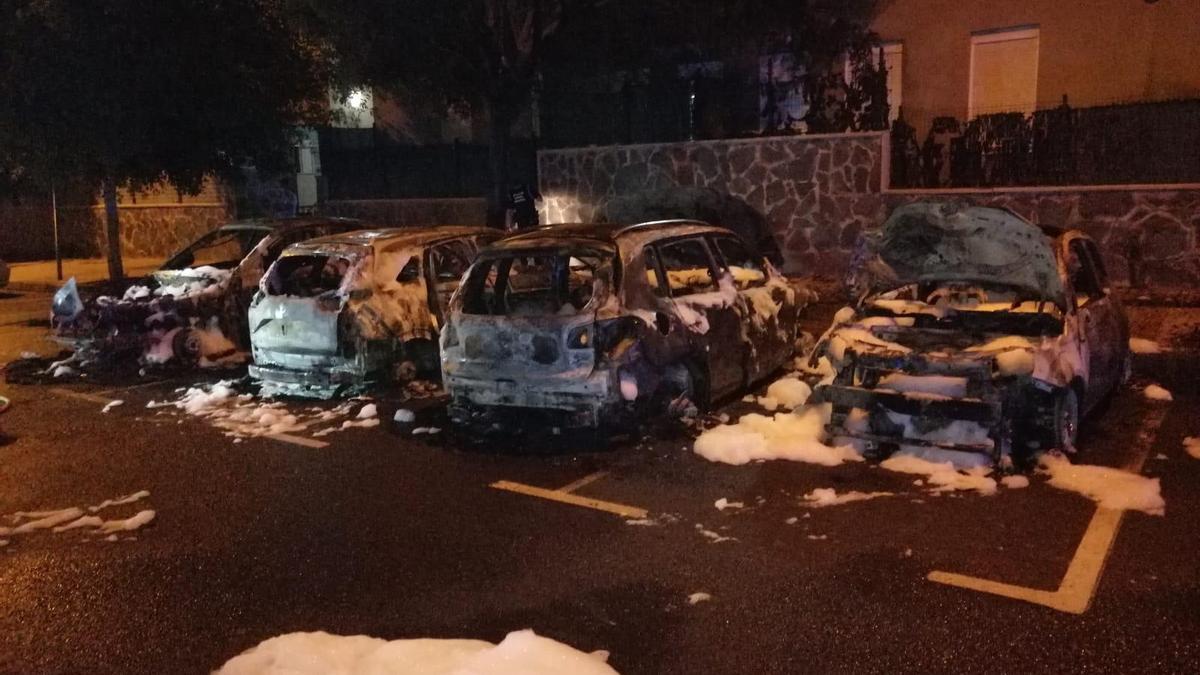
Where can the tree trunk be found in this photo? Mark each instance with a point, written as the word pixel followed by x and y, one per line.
pixel 500 130
pixel 116 270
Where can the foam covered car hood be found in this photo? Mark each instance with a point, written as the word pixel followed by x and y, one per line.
pixel 939 242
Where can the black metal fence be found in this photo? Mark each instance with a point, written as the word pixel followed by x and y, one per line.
pixel 1155 142
pixel 369 164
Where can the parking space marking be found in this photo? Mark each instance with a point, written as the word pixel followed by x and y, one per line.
pixel 1078 587
pixel 586 480
pixel 82 396
pixel 622 510
pixel 298 440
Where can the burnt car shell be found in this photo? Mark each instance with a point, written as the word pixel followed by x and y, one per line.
pixel 206 285
pixel 975 331
pixel 578 325
pixel 337 314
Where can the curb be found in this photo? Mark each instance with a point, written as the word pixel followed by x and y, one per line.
pixel 31 287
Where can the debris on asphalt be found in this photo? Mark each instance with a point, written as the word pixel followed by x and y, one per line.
pixel 1157 393
pixel 713 537
pixel 520 653
pixel 724 503
pixel 111 404
pixel 1110 488
pixel 821 497
pixel 696 598
pixel 426 430
pixel 405 416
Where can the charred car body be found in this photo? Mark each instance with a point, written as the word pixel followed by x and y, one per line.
pixel 975 331
pixel 336 314
pixel 587 325
pixel 194 307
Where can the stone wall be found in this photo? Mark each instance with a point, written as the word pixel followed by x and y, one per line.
pixel 26 231
pixel 816 192
pixel 1153 232
pixel 402 212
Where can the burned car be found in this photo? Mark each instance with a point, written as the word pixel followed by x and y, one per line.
pixel 336 314
pixel 193 309
pixel 974 331
pixel 593 325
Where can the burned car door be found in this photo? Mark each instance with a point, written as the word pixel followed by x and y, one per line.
pixel 770 315
pixel 445 265
pixel 1099 328
pixel 708 307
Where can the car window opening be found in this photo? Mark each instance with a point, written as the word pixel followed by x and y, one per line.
pixel 534 285
pixel 307 276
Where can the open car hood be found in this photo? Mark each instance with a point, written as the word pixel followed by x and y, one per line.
pixel 948 241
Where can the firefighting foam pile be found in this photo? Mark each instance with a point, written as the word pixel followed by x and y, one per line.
pixel 243 416
pixel 74 518
pixel 520 653
pixel 795 436
pixel 1144 346
pixel 942 476
pixel 1108 487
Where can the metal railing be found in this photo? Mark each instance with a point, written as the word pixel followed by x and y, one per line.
pixel 1132 143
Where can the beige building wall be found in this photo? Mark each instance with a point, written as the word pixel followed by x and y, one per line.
pixel 1093 51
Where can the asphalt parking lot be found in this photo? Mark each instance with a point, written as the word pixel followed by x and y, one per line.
pixel 383 532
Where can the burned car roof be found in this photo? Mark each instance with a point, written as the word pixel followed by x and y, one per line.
pixel 609 233
pixel 948 241
pixel 402 236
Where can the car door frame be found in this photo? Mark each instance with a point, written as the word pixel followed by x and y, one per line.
pixel 1097 325
pixel 762 339
pixel 725 374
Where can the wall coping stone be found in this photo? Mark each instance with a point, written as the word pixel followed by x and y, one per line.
pixel 715 141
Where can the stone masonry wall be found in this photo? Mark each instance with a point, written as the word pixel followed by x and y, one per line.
pixel 816 192
pixel 26 231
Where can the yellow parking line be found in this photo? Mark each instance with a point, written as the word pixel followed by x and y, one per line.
pixel 298 440
pixel 574 500
pixel 586 480
pixel 1078 587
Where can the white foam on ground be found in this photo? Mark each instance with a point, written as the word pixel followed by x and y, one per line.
pixel 795 436
pixel 1157 393
pixel 1144 346
pixel 404 416
pixel 1015 482
pixel 822 497
pixel 126 499
pixel 942 476
pixel 1192 445
pixel 111 404
pixel 696 598
pixel 520 653
pixel 1108 487
pixel 74 518
pixel 242 416
pixel 787 392
pixel 724 503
